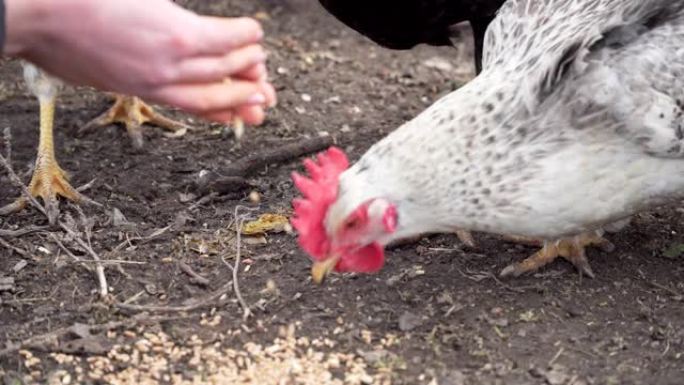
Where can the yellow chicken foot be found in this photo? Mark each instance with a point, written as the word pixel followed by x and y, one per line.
pixel 49 180
pixel 133 113
pixel 572 249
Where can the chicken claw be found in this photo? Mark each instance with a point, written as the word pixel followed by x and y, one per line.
pixel 133 113
pixel 48 182
pixel 572 249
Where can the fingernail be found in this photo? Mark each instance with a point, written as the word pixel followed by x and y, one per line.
pixel 256 99
pixel 273 102
pixel 259 34
pixel 262 57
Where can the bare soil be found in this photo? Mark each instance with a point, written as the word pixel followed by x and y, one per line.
pixel 436 314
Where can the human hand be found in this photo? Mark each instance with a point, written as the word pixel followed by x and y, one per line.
pixel 153 49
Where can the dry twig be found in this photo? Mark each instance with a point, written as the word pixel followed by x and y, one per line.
pixel 22 232
pixel 232 178
pixel 17 250
pixel 14 178
pixel 196 278
pixel 280 154
pixel 208 301
pixel 477 277
pixel 239 221
pixel 7 138
pixel 67 251
pixel 99 268
pixel 670 291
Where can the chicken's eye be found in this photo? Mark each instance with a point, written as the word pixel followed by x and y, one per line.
pixel 351 224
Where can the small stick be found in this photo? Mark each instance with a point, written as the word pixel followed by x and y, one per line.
pixel 280 154
pixel 143 240
pixel 196 278
pixel 233 177
pixel 239 221
pixel 115 262
pixel 7 137
pixel 17 250
pixel 205 199
pixel 236 287
pixel 23 231
pixel 24 190
pixel 496 279
pixel 68 252
pixel 99 268
pixel 672 292
pixel 207 301
pixel 556 357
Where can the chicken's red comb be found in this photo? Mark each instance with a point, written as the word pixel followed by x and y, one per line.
pixel 319 192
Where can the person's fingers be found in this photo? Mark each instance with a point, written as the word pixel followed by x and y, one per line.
pixel 255 73
pixel 250 115
pixel 205 98
pixel 225 117
pixel 212 69
pixel 269 93
pixel 219 35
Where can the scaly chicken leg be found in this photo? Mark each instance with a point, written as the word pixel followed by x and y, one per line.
pixel 572 249
pixel 133 113
pixel 49 180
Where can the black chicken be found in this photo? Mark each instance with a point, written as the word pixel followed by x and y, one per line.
pixel 402 24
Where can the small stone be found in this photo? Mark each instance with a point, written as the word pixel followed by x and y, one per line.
pixel 439 64
pixel 119 220
pixel 409 321
pixel 19 266
pixel 573 311
pixel 254 197
pixel 6 283
pixel 374 357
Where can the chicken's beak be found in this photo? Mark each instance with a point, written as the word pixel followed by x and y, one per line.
pixel 321 269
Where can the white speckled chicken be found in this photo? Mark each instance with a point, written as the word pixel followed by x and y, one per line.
pixel 575 122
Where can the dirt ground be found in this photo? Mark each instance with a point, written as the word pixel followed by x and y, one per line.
pixel 436 314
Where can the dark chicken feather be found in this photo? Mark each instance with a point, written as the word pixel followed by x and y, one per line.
pixel 403 24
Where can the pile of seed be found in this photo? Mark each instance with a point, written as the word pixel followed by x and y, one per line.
pixel 152 358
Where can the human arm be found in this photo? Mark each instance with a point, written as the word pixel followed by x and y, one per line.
pixel 153 49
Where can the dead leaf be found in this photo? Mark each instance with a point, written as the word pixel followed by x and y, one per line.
pixel 675 251
pixel 267 223
pixel 203 246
